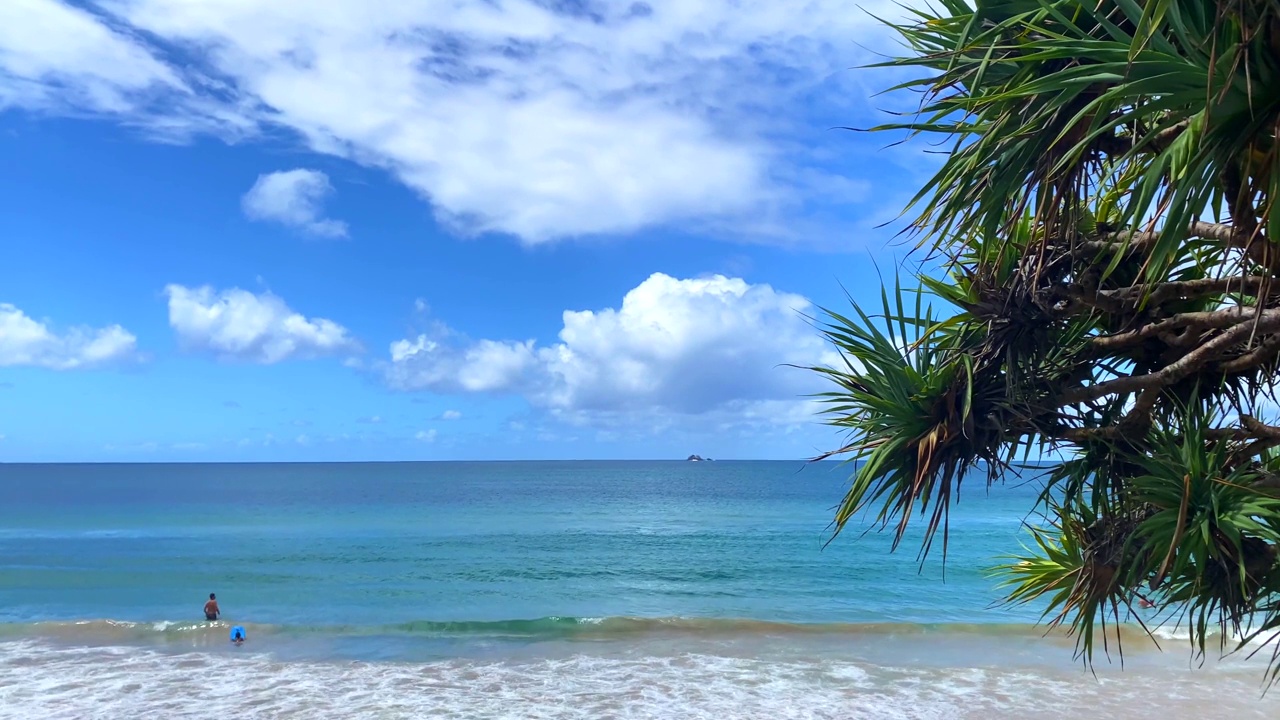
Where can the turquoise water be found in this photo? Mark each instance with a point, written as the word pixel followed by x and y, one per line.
pixel 665 574
pixel 397 543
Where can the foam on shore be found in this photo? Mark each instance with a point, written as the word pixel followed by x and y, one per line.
pixel 47 681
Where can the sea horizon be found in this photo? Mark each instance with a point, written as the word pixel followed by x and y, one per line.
pixel 425 460
pixel 801 461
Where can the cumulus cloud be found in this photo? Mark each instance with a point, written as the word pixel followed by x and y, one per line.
pixel 450 415
pixel 484 366
pixel 236 324
pixel 27 341
pixel 294 198
pixel 426 436
pixel 542 120
pixel 688 346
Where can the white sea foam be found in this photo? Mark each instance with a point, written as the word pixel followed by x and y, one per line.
pixel 1179 637
pixel 48 681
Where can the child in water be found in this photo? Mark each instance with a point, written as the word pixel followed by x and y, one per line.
pixel 237 635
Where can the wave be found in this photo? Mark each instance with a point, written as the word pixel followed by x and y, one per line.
pixel 546 628
pixel 184 669
pixel 43 681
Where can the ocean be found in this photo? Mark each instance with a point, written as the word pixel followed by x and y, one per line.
pixel 536 590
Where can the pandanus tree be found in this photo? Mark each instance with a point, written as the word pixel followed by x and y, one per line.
pixel 1104 287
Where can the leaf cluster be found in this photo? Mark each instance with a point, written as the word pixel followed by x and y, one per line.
pixel 1105 223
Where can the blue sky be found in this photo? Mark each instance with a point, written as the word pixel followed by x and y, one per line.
pixel 323 231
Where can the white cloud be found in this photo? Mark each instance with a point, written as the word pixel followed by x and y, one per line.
pixel 371 420
pixel 27 341
pixel 484 366
pixel 543 120
pixel 236 324
pixel 56 58
pixel 426 436
pixel 690 346
pixel 451 415
pixel 55 55
pixel 294 198
pixel 145 447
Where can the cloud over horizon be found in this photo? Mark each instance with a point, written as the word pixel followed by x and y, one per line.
pixel 541 121
pixel 684 346
pixel 238 325
pixel 27 341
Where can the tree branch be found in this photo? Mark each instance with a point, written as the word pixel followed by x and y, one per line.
pixel 1201 320
pixel 1187 289
pixel 1118 145
pixel 1264 321
pixel 1259 429
pixel 1263 436
pixel 1254 243
pixel 1268 349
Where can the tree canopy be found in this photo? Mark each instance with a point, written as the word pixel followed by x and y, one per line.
pixel 1106 229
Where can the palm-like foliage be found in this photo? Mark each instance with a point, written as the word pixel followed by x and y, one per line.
pixel 1106 222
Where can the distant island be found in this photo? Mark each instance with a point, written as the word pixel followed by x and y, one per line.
pixel 698 458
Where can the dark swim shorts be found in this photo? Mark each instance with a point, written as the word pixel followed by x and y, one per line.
pixel 210 618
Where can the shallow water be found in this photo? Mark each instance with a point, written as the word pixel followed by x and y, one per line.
pixel 531 590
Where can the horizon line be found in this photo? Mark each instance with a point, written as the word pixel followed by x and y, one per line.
pixel 389 462
pixel 803 461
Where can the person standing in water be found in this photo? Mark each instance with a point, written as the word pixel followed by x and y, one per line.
pixel 211 610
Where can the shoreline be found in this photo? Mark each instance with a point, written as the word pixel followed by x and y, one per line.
pixel 944 644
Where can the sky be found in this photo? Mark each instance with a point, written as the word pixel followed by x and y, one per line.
pixel 238 230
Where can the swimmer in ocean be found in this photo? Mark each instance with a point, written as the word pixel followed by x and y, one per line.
pixel 237 635
pixel 211 610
